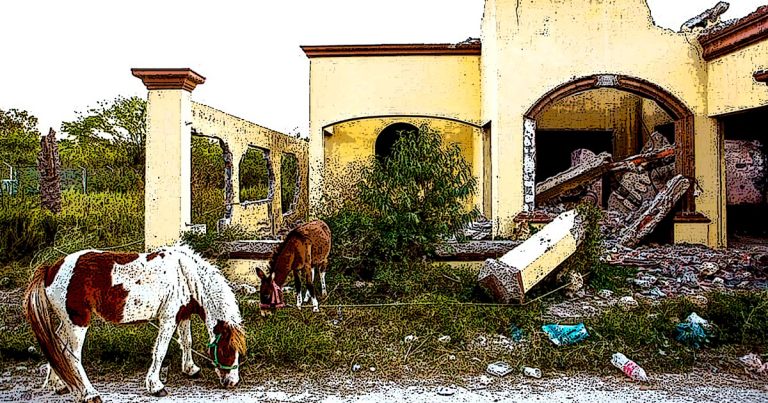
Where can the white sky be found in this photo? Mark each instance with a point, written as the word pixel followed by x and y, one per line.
pixel 57 57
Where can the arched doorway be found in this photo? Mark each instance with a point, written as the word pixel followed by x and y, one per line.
pixel 389 136
pixel 682 116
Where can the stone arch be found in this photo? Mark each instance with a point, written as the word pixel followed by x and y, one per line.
pixel 682 115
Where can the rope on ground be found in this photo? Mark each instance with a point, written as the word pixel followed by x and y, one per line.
pixel 480 304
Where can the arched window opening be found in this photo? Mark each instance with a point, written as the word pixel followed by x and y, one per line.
pixel 389 136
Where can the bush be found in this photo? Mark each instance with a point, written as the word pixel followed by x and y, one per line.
pixel 408 203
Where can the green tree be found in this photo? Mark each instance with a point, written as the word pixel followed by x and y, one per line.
pixel 419 194
pixel 404 205
pixel 19 138
pixel 113 133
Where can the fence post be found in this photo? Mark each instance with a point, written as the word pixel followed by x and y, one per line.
pixel 167 195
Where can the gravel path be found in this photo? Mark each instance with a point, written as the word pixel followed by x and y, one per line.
pixel 584 388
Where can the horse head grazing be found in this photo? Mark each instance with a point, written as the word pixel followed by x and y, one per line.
pixel 305 247
pixel 270 293
pixel 225 350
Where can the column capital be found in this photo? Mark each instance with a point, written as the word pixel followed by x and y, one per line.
pixel 168 79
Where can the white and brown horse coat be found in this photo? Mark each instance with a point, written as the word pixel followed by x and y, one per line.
pixel 168 285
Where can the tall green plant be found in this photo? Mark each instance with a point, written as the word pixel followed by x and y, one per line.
pixel 408 202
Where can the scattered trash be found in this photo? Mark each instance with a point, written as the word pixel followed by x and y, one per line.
pixel 754 365
pixel 409 338
pixel 444 339
pixel 372 369
pixel 694 331
pixel 629 367
pixel 446 391
pixel 356 367
pixel 31 350
pixel 532 372
pixel 563 335
pixel 499 368
pixel 515 333
pixel 628 303
pixel 452 357
pixel 605 294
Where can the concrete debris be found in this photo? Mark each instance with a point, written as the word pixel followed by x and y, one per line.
pixel 653 213
pixel 685 269
pixel 514 274
pixel 628 303
pixel 575 177
pixel 605 294
pixel 707 18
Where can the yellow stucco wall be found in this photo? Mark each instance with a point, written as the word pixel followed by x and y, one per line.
pixel 354 142
pixel 263 216
pixel 344 88
pixel 536 46
pixel 732 87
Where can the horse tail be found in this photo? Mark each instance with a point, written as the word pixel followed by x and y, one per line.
pixel 37 309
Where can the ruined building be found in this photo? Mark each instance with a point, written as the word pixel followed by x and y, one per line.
pixel 549 79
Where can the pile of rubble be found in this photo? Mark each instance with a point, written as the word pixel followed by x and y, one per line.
pixel 645 192
pixel 671 270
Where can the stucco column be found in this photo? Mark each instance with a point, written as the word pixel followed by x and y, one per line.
pixel 167 198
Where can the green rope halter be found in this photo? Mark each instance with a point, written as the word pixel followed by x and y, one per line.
pixel 215 346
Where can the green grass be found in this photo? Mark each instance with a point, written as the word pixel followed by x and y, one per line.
pixel 374 337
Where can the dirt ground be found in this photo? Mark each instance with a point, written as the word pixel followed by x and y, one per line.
pixel 552 388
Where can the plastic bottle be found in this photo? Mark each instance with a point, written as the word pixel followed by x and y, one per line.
pixel 629 367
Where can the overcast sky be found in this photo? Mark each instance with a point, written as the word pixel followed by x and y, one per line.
pixel 58 57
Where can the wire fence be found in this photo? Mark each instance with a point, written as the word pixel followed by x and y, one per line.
pixel 25 180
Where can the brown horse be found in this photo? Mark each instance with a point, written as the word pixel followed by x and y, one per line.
pixel 305 246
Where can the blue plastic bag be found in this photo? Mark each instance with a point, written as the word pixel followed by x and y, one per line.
pixel 564 335
pixel 515 333
pixel 693 332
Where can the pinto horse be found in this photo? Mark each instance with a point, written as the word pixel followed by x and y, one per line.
pixel 168 285
pixel 305 246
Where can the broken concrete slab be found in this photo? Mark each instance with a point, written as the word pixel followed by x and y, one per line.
pixel 509 278
pixel 573 177
pixel 652 214
pixel 594 191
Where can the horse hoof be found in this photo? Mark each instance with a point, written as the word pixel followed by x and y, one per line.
pixel 62 391
pixel 196 375
pixel 161 393
pixel 95 399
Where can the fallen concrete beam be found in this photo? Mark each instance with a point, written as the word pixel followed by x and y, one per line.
pixel 509 278
pixel 649 217
pixel 573 177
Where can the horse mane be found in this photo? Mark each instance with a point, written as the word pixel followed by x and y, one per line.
pixel 210 273
pixel 237 340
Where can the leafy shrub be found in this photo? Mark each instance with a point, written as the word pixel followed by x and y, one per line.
pixel 408 202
